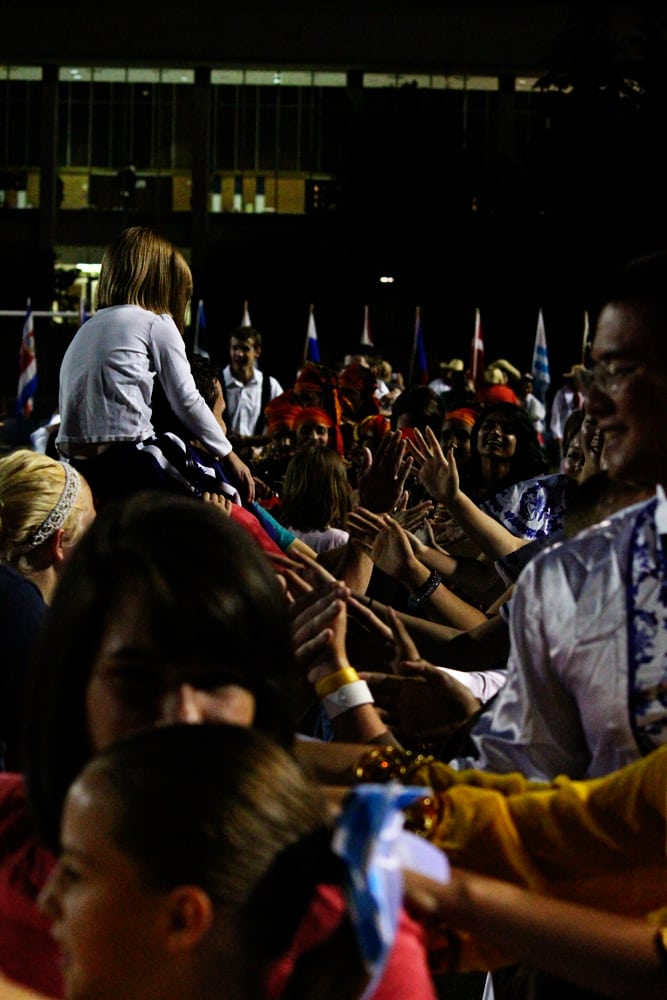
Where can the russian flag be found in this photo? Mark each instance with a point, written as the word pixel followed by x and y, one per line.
pixel 27 387
pixel 312 351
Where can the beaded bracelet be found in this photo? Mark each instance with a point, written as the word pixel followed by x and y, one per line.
pixel 395 764
pixel 427 588
pixel 330 683
pixel 388 763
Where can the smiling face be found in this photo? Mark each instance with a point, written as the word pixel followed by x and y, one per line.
pixel 497 437
pixel 573 460
pixel 631 411
pixel 136 683
pixel 243 355
pixel 105 920
pixel 312 431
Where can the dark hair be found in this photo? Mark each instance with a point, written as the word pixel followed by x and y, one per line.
pixel 209 594
pixel 219 807
pixel 423 406
pixel 207 378
pixel 641 282
pixel 316 493
pixel 247 333
pixel 528 459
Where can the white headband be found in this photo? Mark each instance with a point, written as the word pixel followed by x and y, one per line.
pixel 56 517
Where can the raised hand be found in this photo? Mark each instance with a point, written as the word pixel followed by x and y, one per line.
pixel 438 474
pixel 382 481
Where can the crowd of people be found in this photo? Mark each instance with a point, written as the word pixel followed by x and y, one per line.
pixel 338 690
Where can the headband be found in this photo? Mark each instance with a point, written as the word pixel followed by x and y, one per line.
pixel 463 413
pixel 58 515
pixel 312 414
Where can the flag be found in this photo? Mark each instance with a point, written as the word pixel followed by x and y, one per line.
pixel 366 337
pixel 245 319
pixel 418 365
pixel 541 376
pixel 587 342
pixel 476 370
pixel 25 397
pixel 312 348
pixel 199 346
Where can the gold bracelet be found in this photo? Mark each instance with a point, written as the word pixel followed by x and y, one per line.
pixel 395 764
pixel 331 683
pixel 388 763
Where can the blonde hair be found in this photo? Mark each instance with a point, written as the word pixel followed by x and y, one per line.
pixel 142 268
pixel 37 496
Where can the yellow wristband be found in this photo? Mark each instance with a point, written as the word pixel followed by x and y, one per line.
pixel 331 683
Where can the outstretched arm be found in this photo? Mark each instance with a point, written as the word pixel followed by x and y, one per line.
pixel 620 957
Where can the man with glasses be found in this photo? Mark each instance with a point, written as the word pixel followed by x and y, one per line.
pixel 586 690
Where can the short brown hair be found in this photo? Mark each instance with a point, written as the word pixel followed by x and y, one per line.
pixel 144 269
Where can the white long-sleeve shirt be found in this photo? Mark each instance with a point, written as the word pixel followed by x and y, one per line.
pixel 107 375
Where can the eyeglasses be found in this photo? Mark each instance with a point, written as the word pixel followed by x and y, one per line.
pixel 611 376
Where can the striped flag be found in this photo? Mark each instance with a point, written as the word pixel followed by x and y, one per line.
pixel 27 387
pixel 312 348
pixel 476 369
pixel 245 319
pixel 418 364
pixel 366 337
pixel 541 376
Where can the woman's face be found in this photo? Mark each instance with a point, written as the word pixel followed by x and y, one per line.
pixel 573 460
pixel 104 918
pixel 591 436
pixel 134 683
pixel 312 431
pixel 456 434
pixel 497 436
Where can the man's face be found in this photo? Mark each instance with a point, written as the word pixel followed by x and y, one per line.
pixel 630 401
pixel 242 357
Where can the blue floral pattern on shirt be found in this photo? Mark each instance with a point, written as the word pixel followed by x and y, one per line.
pixel 647 633
pixel 534 508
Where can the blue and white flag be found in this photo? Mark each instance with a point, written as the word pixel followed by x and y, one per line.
pixel 27 387
pixel 541 376
pixel 312 351
pixel 199 345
